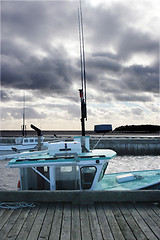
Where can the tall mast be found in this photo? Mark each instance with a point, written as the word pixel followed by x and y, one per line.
pixel 83 71
pixel 23 125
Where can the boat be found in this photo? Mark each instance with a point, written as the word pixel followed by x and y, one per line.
pixel 135 180
pixel 64 166
pixel 72 165
pixel 20 144
pixel 25 142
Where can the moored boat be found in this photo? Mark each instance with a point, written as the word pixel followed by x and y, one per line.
pixel 21 144
pixel 135 180
pixel 64 166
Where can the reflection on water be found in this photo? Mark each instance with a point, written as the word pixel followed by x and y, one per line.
pixel 133 163
pixel 10 176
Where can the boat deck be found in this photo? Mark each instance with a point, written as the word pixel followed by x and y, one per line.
pixel 69 221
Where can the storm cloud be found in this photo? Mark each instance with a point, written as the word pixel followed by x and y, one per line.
pixel 40 51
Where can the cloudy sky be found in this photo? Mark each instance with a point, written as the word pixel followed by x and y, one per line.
pixel 40 54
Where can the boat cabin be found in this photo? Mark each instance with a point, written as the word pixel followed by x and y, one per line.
pixel 28 140
pixel 63 167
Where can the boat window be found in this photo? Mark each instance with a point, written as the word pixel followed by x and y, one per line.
pixel 87 176
pixel 31 140
pixel 103 171
pixel 25 140
pixel 67 178
pixel 66 169
pixel 36 140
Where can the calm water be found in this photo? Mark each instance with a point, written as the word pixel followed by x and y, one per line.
pixel 9 177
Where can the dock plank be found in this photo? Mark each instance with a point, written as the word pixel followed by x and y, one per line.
pixel 152 214
pixel 76 227
pixel 36 227
pixel 47 223
pixel 85 224
pixel 26 228
pixel 2 210
pixel 66 222
pixel 156 209
pixel 132 223
pixel 94 224
pixel 5 216
pixel 9 223
pixel 103 223
pixel 116 231
pixel 57 222
pixel 16 227
pixel 149 221
pixel 125 229
pixel 140 221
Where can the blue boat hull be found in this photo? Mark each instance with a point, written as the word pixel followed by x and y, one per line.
pixel 148 179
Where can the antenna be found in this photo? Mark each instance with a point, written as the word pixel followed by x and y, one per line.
pixel 24 126
pixel 83 71
pixel 80 45
pixel 84 65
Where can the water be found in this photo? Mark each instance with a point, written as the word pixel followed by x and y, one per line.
pixel 133 163
pixel 10 176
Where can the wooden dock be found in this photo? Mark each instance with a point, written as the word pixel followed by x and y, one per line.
pixel 99 221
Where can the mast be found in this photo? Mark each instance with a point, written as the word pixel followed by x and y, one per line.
pixel 23 123
pixel 82 91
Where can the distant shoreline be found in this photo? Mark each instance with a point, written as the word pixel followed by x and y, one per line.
pixel 18 133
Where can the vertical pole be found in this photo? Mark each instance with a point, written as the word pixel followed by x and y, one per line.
pixel 83 121
pixel 83 72
pixel 83 112
pixel 23 126
pixel 39 143
pixel 52 178
pixel 20 174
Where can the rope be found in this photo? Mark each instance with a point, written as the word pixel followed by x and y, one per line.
pixel 98 141
pixel 16 205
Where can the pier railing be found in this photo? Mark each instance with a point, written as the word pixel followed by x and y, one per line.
pixel 122 144
pixel 129 145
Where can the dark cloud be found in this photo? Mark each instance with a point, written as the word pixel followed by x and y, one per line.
pixel 17 113
pixel 132 97
pixel 70 110
pixel 54 73
pixel 141 79
pixel 104 25
pixel 37 21
pixel 35 114
pixel 103 64
pixel 111 40
pixel 33 27
pixel 133 41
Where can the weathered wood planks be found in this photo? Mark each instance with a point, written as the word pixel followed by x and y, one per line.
pixel 101 221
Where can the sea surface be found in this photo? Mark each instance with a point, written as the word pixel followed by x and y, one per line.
pixel 10 176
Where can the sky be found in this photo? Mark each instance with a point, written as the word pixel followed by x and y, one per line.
pixel 40 57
